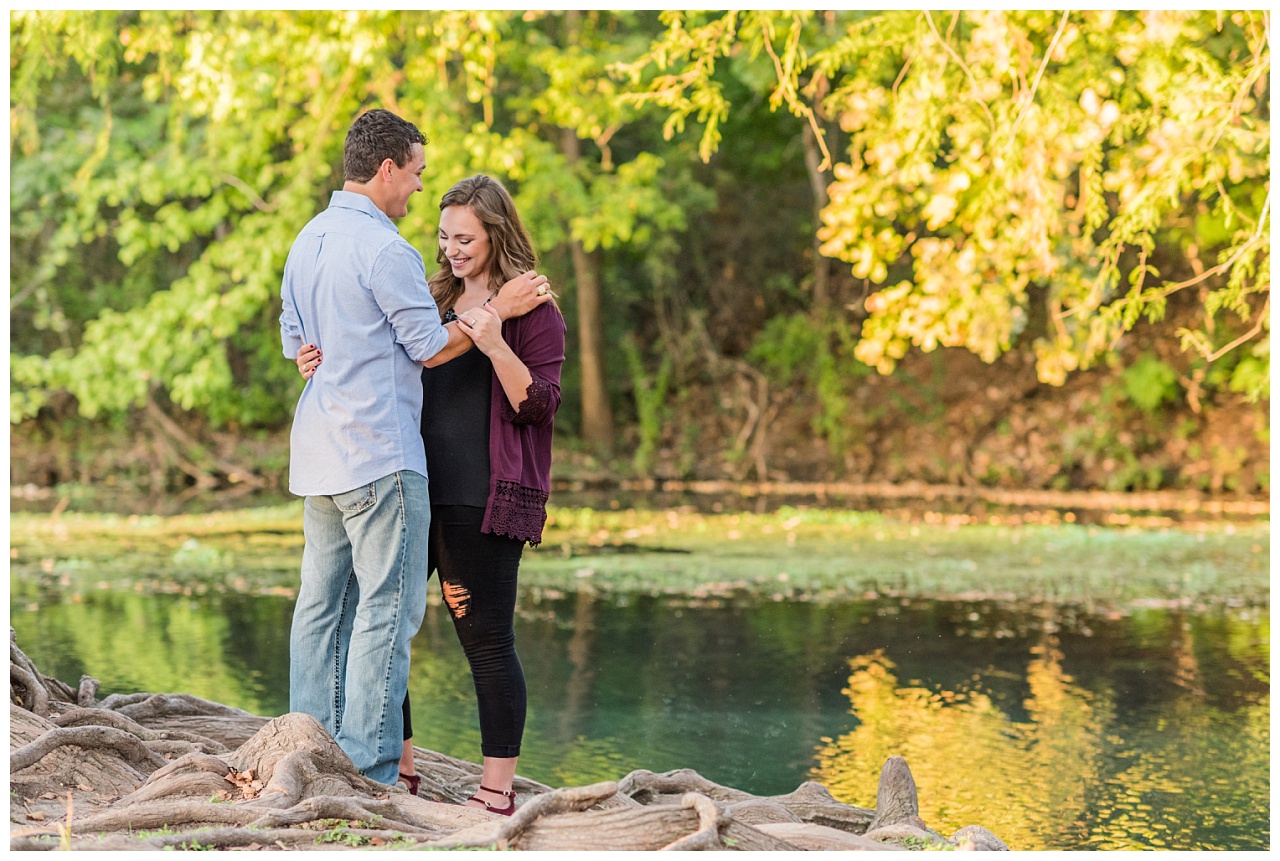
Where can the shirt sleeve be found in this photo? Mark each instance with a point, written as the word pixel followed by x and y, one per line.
pixel 540 346
pixel 291 334
pixel 399 286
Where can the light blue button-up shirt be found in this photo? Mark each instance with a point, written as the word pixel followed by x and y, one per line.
pixel 356 289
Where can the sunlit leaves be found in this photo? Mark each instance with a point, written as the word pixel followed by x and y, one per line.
pixel 189 184
pixel 1003 180
pixel 165 161
pixel 1085 161
pixel 693 92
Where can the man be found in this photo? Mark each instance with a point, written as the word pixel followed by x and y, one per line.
pixel 355 287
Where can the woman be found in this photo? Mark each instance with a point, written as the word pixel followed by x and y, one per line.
pixel 487 426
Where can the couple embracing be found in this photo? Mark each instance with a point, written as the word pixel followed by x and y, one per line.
pixel 456 377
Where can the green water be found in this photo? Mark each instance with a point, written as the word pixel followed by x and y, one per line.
pixel 1106 720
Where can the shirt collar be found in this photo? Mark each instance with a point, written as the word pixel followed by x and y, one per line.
pixel 362 203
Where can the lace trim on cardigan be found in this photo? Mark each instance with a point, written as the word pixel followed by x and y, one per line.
pixel 518 512
pixel 536 403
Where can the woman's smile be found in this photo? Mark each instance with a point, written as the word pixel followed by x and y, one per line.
pixel 464 241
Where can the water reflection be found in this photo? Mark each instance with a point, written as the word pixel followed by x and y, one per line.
pixel 230 649
pixel 1055 728
pixel 1026 780
pixel 1158 739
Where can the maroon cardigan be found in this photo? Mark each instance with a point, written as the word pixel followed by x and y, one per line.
pixel 520 440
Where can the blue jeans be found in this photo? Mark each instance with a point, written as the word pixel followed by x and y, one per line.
pixel 362 598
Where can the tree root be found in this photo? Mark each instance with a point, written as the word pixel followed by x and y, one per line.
pixel 195 775
pixel 330 807
pixel 102 717
pixel 227 838
pixel 551 804
pixel 129 747
pixel 811 837
pixel 34 697
pixel 647 787
pixel 155 815
pixel 87 694
pixel 977 837
pixel 238 781
pixel 710 822
pixel 813 802
pixel 138 706
pixel 38 690
pixel 182 715
pixel 896 798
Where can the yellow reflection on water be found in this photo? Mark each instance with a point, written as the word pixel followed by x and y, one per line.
pixel 974 765
pixel 1197 779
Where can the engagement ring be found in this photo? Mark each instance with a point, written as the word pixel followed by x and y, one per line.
pixel 542 291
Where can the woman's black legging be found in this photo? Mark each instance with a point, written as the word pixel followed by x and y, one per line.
pixel 478 578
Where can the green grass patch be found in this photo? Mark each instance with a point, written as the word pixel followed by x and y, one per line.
pixel 791 554
pixel 830 555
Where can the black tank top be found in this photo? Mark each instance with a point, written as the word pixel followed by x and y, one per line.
pixel 455 429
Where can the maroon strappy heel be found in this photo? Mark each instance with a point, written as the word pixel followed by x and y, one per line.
pixel 410 782
pixel 509 794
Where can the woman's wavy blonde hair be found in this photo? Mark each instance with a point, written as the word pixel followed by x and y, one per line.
pixel 510 250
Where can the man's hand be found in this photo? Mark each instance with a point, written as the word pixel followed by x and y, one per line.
pixel 521 295
pixel 308 360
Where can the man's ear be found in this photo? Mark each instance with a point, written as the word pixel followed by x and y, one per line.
pixel 385 169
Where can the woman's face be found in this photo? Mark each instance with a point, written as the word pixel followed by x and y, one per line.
pixel 464 241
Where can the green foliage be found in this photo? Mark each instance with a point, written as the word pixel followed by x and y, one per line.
pixel 818 356
pixel 650 395
pixel 1001 158
pixel 341 835
pixel 1252 376
pixel 193 846
pixel 174 185
pixel 1149 382
pixel 155 274
pixel 997 180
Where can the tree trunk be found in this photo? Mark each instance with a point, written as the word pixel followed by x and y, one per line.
pixel 818 182
pixel 597 421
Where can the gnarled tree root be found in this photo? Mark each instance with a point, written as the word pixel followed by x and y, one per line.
pixel 102 717
pixel 158 771
pixel 128 746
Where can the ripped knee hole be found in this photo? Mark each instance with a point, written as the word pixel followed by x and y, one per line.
pixel 458 599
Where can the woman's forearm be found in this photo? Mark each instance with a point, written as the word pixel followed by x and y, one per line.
pixel 513 375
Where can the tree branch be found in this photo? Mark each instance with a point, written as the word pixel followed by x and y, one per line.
pixel 1170 289
pixel 786 88
pixel 973 82
pixel 236 473
pixel 1035 85
pixel 1257 327
pixel 258 203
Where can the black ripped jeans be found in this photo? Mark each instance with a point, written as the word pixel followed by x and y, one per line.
pixel 478 579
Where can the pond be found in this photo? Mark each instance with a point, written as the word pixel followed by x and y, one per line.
pixel 1057 728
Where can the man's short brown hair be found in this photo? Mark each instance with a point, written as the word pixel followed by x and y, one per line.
pixel 375 136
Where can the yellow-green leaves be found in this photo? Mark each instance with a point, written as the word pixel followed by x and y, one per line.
pixel 1000 159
